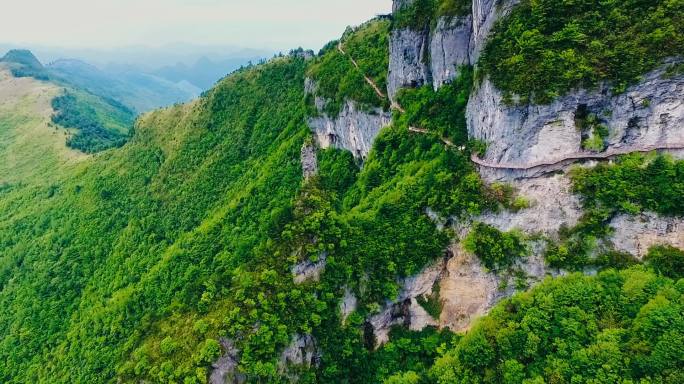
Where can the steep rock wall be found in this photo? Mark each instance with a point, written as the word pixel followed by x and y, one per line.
pixel 419 57
pixel 353 129
pixel 636 234
pixel 650 113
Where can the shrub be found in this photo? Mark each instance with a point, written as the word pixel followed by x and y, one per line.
pixel 666 260
pixel 497 250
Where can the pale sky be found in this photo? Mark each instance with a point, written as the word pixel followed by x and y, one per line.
pixel 272 24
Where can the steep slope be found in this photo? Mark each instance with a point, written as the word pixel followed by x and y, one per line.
pixel 138 91
pixel 95 121
pixel 285 227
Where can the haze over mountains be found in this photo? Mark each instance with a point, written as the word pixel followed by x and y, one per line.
pixel 145 78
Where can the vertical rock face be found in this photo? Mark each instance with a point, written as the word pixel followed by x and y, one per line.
pixel 467 291
pixel 353 130
pixel 650 113
pixel 485 14
pixel 636 234
pixel 405 310
pixel 409 60
pixel 425 56
pixel 449 48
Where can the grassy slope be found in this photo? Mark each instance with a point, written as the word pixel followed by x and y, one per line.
pixel 32 152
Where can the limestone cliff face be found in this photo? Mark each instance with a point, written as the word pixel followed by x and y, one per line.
pixel 353 129
pixel 419 57
pixel 650 113
pixel 409 58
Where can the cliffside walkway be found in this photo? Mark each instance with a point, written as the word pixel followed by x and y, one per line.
pixel 556 164
pixel 543 166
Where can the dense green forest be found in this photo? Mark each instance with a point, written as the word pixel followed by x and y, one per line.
pixel 99 124
pixel 141 264
pixel 545 48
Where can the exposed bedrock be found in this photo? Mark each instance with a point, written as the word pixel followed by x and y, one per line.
pixel 433 54
pixel 354 129
pixel 648 114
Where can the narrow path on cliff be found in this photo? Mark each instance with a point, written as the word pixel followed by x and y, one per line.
pixel 575 157
pixel 578 156
pixel 370 81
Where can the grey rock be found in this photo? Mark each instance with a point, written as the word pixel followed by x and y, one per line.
pixel 636 234
pixel 309 270
pixel 348 305
pixel 353 130
pixel 309 161
pixel 551 206
pixel 409 60
pixel 405 310
pixel 485 15
pixel 449 48
pixel 224 370
pixel 648 114
pixel 419 57
pixel 399 4
pixel 302 352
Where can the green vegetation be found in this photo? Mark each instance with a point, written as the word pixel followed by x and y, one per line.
pixel 666 260
pixel 441 112
pixel 617 327
pixel 142 263
pixel 631 185
pixel 594 131
pixel 423 14
pixel 546 48
pixel 431 303
pixel 497 250
pixel 100 124
pixel 338 80
pixel 187 235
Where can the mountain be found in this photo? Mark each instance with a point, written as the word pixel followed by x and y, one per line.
pixel 464 192
pixel 204 72
pixel 139 91
pixel 92 122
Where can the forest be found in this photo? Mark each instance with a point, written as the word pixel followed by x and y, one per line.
pixel 176 243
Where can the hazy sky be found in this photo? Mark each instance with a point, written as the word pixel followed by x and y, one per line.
pixel 273 24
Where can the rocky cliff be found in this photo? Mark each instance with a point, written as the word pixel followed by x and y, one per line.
pixel 433 54
pixel 353 129
pixel 648 114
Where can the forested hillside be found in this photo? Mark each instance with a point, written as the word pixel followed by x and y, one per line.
pixel 94 121
pixel 212 247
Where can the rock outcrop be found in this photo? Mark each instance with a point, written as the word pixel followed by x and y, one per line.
pixel 224 370
pixel 636 234
pixel 309 161
pixel 409 60
pixel 309 270
pixel 405 310
pixel 551 205
pixel 353 129
pixel 434 55
pixel 650 113
pixel 449 48
pixel 302 352
pixel 467 291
